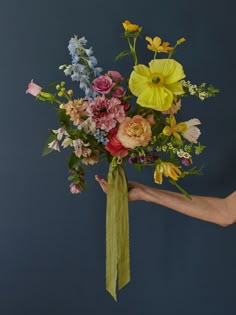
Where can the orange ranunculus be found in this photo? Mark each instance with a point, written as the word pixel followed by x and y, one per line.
pixel 134 132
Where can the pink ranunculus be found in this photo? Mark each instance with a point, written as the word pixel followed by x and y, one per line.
pixel 114 146
pixel 103 84
pixel 115 76
pixel 134 132
pixel 192 133
pixel 118 92
pixel 33 89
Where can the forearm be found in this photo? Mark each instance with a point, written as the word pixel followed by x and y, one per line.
pixel 210 209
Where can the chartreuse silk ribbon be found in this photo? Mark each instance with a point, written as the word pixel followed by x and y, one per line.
pixel 117 229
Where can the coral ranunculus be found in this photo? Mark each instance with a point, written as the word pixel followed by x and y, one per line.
pixel 134 132
pixel 156 85
pixel 114 146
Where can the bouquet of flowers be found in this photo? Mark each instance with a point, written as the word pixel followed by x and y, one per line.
pixel 105 123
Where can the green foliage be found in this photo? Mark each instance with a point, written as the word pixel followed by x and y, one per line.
pixel 122 54
pixel 73 161
pixel 63 118
pixel 46 150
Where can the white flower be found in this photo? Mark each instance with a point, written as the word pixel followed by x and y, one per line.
pixel 54 145
pixel 192 133
pixel 60 133
pixel 67 142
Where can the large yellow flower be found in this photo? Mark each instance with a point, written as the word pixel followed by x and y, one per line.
pixel 167 169
pixel 155 85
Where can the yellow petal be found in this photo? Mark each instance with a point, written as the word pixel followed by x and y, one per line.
pixel 158 178
pixel 176 135
pixel 156 42
pixel 176 88
pixel 157 98
pixel 169 68
pixel 137 83
pixel 149 39
pixel 167 131
pixel 172 121
pixel 142 70
pixel 181 127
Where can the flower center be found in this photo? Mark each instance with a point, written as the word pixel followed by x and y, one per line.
pixel 157 79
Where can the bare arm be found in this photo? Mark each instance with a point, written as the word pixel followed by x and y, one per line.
pixel 221 211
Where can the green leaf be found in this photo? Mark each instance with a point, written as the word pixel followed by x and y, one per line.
pixel 122 54
pixel 73 161
pixel 46 150
pixel 64 119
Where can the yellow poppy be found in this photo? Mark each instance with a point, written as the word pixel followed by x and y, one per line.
pixel 156 85
pixel 156 45
pixel 129 27
pixel 174 128
pixel 167 169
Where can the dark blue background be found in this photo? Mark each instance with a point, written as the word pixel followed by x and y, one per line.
pixel 52 244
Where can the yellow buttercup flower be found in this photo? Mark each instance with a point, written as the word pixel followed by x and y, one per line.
pixel 129 27
pixel 156 45
pixel 174 128
pixel 156 85
pixel 167 169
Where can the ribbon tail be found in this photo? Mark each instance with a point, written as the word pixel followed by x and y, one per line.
pixel 117 231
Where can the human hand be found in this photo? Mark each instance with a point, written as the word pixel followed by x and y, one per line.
pixel 135 189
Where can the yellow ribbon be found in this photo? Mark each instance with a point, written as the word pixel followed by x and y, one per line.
pixel 117 229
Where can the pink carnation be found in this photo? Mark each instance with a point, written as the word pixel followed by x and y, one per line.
pixel 103 84
pixel 115 76
pixel 106 112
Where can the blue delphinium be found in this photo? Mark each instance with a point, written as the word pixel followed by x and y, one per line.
pixel 101 136
pixel 84 65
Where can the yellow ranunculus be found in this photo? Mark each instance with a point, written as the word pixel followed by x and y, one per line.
pixel 174 128
pixel 167 169
pixel 155 85
pixel 156 45
pixel 129 27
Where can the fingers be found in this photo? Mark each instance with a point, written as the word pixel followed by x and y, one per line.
pixel 102 182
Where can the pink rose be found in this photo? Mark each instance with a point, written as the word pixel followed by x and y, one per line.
pixel 114 146
pixel 134 132
pixel 103 84
pixel 119 92
pixel 33 89
pixel 115 76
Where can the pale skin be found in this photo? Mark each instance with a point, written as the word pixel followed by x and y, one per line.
pixel 221 211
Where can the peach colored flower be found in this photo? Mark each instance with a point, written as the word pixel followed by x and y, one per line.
pixel 76 110
pixel 151 120
pixel 134 132
pixel 175 107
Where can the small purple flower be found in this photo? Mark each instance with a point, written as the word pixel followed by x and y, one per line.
pixel 186 162
pixel 142 159
pixel 133 159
